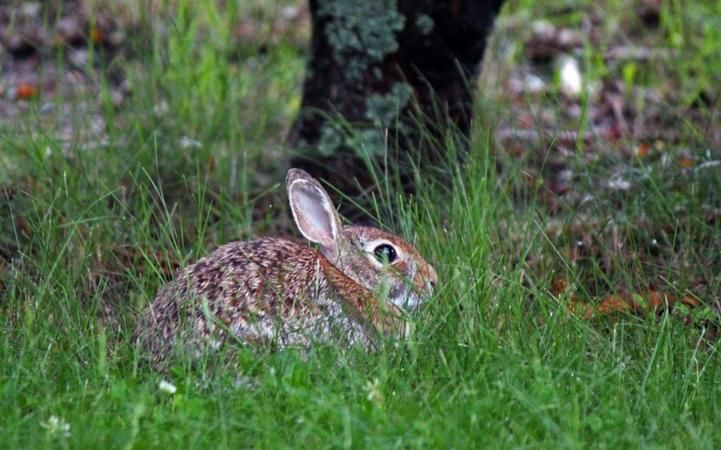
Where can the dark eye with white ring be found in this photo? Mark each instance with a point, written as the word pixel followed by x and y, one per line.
pixel 385 253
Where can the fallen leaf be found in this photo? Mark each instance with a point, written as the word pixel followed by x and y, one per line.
pixel 690 301
pixel 614 303
pixel 559 285
pixel 642 150
pixel 685 162
pixel 97 36
pixel 26 91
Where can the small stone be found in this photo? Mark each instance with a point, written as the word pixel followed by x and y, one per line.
pixel 30 10
pixel 570 77
pixel 78 58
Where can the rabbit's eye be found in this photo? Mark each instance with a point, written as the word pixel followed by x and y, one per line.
pixel 385 253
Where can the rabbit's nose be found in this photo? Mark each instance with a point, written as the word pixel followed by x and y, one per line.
pixel 432 277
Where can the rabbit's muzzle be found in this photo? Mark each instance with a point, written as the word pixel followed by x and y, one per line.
pixel 422 283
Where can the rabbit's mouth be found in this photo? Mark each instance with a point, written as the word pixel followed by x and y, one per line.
pixel 409 302
pixel 410 294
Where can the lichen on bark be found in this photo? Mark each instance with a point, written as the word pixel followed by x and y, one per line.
pixel 361 32
pixel 384 109
pixel 424 23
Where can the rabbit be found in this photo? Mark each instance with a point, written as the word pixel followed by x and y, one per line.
pixel 358 284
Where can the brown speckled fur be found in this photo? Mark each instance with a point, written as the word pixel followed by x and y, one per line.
pixel 280 292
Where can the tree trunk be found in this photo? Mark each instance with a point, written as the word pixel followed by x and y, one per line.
pixel 391 65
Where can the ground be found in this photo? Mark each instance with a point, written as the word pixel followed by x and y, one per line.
pixel 578 248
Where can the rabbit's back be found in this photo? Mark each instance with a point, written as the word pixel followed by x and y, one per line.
pixel 264 291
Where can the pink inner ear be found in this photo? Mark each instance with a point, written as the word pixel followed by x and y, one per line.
pixel 314 215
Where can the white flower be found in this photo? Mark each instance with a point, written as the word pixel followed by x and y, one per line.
pixel 161 108
pixel 188 142
pixel 56 426
pixel 245 382
pixel 167 387
pixel 374 393
pixel 619 184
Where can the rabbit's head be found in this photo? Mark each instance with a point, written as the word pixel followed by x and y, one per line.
pixel 381 262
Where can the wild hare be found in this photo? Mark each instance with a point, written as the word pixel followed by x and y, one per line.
pixel 283 293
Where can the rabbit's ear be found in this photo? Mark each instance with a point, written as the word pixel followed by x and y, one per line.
pixel 313 211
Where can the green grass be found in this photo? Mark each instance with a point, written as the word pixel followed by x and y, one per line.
pixel 89 230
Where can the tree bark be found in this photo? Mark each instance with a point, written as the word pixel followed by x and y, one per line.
pixel 377 65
